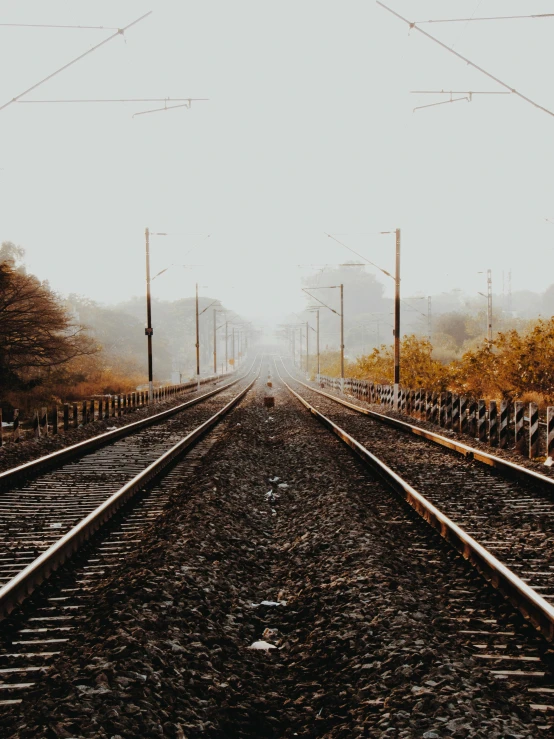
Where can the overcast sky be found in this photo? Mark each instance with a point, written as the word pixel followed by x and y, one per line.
pixel 309 129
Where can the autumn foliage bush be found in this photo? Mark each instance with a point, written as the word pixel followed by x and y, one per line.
pixel 516 365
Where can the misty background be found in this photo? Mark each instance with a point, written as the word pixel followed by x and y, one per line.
pixel 309 129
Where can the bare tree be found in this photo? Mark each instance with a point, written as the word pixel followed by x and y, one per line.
pixel 35 330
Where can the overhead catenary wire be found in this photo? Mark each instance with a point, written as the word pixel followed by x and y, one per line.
pixel 52 25
pixel 119 32
pixel 384 271
pixel 112 100
pixel 491 18
pixel 411 24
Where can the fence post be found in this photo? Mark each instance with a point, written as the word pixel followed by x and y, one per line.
pixel 442 410
pixel 493 424
pixel 44 421
pixel 448 419
pixel 36 425
pixel 55 419
pixel 456 413
pixel 463 414
pixel 16 429
pixel 504 409
pixel 550 431
pixel 101 409
pixel 481 421
pixel 1 429
pixel 533 430
pixel 75 416
pixel 519 437
pixel 84 410
pixel 66 417
pixel 472 418
pixel 92 410
pixel 435 408
pixel 119 405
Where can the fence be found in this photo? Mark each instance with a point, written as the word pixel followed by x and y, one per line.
pixel 503 428
pixel 49 421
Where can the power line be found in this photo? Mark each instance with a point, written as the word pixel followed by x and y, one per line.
pixel 467 61
pixel 119 32
pixel 492 18
pixel 48 25
pixel 384 271
pixel 113 100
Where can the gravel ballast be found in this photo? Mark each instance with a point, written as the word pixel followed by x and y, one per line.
pixel 279 541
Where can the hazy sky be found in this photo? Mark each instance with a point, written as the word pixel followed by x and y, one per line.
pixel 309 128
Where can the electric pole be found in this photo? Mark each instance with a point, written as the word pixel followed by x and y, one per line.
pixel 429 319
pixel 342 335
pixel 307 349
pixel 397 323
pixel 197 338
pixel 489 305
pixel 149 330
pixel 215 343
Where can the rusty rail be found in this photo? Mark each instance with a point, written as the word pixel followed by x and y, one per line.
pixel 510 469
pixel 49 461
pixel 528 601
pixel 26 581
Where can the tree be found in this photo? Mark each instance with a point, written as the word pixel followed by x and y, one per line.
pixel 36 333
pixel 417 366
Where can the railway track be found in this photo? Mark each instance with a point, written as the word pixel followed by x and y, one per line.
pixel 108 486
pixel 155 625
pixel 499 517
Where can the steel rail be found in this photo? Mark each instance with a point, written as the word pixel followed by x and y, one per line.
pixel 36 466
pixel 26 581
pixel 524 598
pixel 511 469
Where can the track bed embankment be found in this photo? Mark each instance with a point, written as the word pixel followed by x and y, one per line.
pixel 362 604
